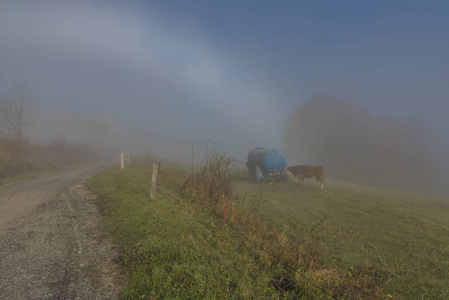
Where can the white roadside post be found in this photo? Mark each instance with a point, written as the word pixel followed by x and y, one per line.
pixel 156 170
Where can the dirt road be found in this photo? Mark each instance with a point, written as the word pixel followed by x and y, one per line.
pixel 52 243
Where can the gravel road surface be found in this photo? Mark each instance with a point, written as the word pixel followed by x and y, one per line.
pixel 52 241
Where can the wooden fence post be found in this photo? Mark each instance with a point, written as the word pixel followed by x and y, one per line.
pixel 122 160
pixel 156 170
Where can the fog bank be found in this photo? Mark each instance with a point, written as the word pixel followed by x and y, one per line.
pixel 353 145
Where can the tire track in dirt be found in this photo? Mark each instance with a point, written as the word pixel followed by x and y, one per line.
pixel 59 250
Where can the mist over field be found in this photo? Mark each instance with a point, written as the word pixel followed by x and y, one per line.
pixel 156 77
pixel 356 146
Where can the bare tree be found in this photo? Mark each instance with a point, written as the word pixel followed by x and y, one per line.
pixel 17 110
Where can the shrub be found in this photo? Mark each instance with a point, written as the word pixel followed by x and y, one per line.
pixel 215 180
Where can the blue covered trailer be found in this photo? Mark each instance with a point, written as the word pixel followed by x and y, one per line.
pixel 266 164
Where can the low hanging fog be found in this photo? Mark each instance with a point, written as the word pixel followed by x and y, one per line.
pixel 156 77
pixel 354 145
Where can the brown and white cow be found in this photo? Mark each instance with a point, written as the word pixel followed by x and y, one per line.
pixel 303 171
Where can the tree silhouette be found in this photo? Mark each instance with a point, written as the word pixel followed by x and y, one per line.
pixel 17 110
pixel 355 146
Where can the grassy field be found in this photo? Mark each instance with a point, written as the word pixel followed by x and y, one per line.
pixel 402 239
pixel 175 248
pixel 348 241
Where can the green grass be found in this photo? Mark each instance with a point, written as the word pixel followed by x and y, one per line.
pixel 356 242
pixel 175 248
pixel 401 239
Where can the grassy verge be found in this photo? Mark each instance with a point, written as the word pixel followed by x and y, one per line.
pixel 178 247
pixel 172 248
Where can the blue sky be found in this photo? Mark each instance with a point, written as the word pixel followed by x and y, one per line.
pixel 225 72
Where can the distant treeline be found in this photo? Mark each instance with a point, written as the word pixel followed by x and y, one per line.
pixel 353 145
pixel 21 157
